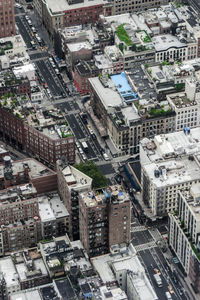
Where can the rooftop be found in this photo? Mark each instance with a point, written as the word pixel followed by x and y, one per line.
pixel 129 261
pixel 74 47
pixel 75 179
pixel 65 288
pixel 113 193
pixel 38 269
pixel 18 193
pixel 26 295
pixel 59 7
pixel 8 269
pixel 51 207
pixel 172 158
pixel 167 41
pixel 36 169
pixel 116 90
pixel 108 95
pixel 45 211
pixel 181 100
pixel 124 87
pixel 171 145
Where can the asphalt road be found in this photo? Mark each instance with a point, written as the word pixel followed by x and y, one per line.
pixel 106 169
pixel 68 106
pixel 52 82
pixel 38 55
pixel 150 262
pixel 75 127
pixel 141 237
pixel 24 31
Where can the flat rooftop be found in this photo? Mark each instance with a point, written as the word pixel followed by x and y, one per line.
pixel 177 172
pixel 141 83
pixel 45 211
pixel 138 277
pixel 181 100
pixel 24 273
pixel 26 295
pixel 74 47
pixel 102 62
pixel 59 210
pixel 14 194
pixel 65 288
pixel 36 169
pixel 166 146
pixel 167 41
pixel 75 179
pixel 8 269
pixel 108 95
pixel 59 7
pixel 129 261
pixel 113 193
pixel 124 87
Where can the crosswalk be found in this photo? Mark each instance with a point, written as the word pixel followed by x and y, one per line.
pixel 146 246
pixel 137 228
pixel 155 234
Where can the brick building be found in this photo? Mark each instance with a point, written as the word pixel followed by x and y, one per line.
pixel 83 71
pixel 104 219
pixel 41 144
pixel 27 171
pixel 7 27
pixel 20 184
pixel 71 12
pixel 70 183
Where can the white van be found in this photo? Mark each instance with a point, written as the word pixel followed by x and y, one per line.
pixel 168 296
pixel 105 156
pixel 18 5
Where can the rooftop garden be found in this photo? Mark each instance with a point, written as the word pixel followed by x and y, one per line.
pixel 123 35
pixel 145 37
pixel 138 48
pixel 66 134
pixel 7 46
pixel 179 87
pixel 157 112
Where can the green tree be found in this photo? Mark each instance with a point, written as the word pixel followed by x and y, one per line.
pixel 91 169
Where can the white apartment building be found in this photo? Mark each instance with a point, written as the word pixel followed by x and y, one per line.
pixel 186 105
pixel 169 163
pixel 184 225
pixel 169 48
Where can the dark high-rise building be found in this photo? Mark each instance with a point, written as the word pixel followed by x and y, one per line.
pixel 104 219
pixel 7 18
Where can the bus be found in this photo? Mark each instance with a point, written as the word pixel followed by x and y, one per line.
pixel 84 146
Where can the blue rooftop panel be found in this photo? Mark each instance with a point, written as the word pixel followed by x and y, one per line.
pixel 124 88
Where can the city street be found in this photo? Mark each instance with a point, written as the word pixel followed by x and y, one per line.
pixel 145 242
pixel 50 78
